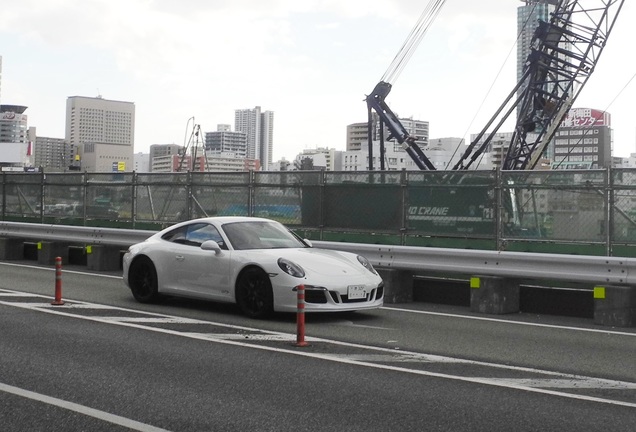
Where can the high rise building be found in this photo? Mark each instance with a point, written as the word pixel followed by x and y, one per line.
pixel 15 147
pixel 259 128
pixel 528 17
pixel 584 140
pixel 50 154
pixel 101 133
pixel 226 141
pixel 357 133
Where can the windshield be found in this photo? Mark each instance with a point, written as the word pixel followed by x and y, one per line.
pixel 260 235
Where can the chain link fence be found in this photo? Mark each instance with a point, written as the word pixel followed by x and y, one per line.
pixel 586 211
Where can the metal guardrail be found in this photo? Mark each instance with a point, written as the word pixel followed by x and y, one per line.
pixel 519 265
pixel 573 268
pixel 74 234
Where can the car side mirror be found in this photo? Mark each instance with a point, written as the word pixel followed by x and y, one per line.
pixel 211 245
pixel 308 243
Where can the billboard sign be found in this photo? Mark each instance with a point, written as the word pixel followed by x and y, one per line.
pixel 586 117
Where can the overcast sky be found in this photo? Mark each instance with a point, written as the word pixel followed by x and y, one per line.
pixel 310 61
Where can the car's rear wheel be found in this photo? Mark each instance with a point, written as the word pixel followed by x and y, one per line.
pixel 254 293
pixel 142 278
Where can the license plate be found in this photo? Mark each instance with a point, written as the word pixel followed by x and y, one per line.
pixel 356 292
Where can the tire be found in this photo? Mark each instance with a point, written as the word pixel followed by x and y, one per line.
pixel 142 278
pixel 254 294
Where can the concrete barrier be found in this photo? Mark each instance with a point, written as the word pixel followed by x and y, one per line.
pixel 615 306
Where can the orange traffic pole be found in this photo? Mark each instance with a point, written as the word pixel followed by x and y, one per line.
pixel 300 317
pixel 58 282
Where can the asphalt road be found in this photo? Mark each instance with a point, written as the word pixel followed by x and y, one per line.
pixel 103 362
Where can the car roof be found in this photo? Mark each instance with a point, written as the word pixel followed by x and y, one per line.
pixel 227 219
pixel 215 220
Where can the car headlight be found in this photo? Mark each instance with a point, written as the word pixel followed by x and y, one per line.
pixel 291 268
pixel 365 262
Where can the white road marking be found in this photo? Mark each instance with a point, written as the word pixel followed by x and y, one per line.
pixel 497 382
pixel 70 305
pixel 84 410
pixel 352 324
pixel 153 320
pixel 477 318
pixel 52 269
pixel 252 337
pixel 582 383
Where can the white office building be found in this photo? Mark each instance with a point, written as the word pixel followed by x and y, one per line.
pixel 101 133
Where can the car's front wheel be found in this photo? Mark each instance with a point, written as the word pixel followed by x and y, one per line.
pixel 254 293
pixel 142 278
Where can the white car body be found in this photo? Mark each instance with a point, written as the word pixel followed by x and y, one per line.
pixel 213 270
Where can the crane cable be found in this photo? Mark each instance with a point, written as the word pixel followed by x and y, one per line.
pixel 492 85
pixel 413 40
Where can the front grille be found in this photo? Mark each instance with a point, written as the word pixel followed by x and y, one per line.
pixel 315 296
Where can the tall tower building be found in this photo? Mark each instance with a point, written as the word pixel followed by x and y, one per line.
pixel 259 128
pixel 100 133
pixel 527 20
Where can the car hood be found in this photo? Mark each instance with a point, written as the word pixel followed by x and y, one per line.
pixel 322 261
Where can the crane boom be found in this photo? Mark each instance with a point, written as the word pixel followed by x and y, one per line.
pixel 564 53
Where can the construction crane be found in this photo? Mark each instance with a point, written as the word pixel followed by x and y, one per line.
pixel 564 53
pixel 376 99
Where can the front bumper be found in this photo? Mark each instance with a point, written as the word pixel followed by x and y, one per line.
pixel 320 299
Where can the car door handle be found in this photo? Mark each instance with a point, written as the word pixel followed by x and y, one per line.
pixel 179 257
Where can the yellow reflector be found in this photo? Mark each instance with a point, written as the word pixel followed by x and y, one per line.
pixel 475 282
pixel 599 292
pixel 89 249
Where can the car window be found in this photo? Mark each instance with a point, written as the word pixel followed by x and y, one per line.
pixel 194 235
pixel 199 233
pixel 260 235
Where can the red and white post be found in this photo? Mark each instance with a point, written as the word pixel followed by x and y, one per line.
pixel 58 282
pixel 300 317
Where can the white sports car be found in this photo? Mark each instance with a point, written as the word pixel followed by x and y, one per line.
pixel 254 262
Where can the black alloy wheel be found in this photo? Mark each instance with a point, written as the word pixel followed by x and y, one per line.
pixel 254 293
pixel 142 277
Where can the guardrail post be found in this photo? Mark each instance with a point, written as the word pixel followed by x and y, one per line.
pixel 103 258
pixel 398 285
pixel 494 295
pixel 11 249
pixel 49 250
pixel 615 306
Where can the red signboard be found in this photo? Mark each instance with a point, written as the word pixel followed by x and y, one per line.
pixel 586 117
